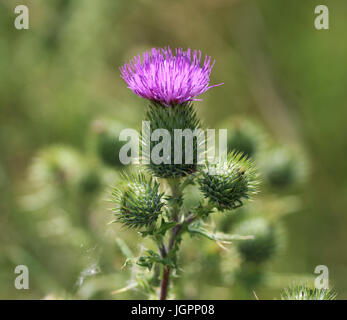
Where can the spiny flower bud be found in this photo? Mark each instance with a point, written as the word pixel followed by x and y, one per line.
pixel 264 244
pixel 90 182
pixel 283 168
pixel 107 141
pixel 183 117
pixel 138 201
pixel 303 292
pixel 245 137
pixel 227 183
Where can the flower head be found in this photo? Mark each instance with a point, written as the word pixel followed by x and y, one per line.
pixel 166 77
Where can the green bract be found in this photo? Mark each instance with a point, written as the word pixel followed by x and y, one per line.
pixel 180 116
pixel 138 200
pixel 227 183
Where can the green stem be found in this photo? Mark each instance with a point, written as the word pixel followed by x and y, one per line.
pixel 176 193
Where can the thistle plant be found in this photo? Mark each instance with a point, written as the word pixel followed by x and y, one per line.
pixel 152 201
pixel 304 292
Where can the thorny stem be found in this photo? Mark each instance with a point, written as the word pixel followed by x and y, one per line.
pixel 166 271
pixel 176 231
pixel 165 283
pixel 162 249
pixel 176 192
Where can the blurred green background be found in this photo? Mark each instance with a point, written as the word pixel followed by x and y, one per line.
pixel 60 84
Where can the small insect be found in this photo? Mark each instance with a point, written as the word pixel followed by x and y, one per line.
pixel 242 171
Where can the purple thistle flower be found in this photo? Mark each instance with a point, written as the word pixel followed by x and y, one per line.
pixel 167 78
